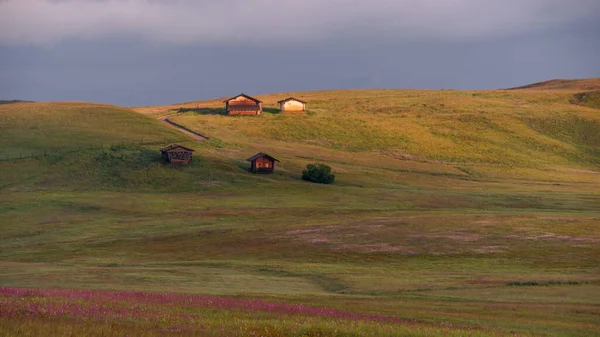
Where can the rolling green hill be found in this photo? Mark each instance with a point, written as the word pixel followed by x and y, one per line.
pixel 455 212
pixel 53 127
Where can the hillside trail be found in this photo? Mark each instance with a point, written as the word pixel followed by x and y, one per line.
pixel 173 125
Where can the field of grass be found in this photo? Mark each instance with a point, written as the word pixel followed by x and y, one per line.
pixel 508 128
pixel 173 314
pixel 38 128
pixel 453 213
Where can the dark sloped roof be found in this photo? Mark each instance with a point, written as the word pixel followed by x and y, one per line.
pixel 244 108
pixel 244 95
pixel 291 99
pixel 175 146
pixel 259 155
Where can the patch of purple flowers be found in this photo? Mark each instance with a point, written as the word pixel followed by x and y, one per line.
pixel 153 309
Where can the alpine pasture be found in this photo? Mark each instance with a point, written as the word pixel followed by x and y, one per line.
pixel 467 213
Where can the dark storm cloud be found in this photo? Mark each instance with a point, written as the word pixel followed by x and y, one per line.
pixel 134 73
pixel 190 21
pixel 134 52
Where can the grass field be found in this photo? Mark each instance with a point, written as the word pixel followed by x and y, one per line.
pixel 507 128
pixel 38 128
pixel 453 213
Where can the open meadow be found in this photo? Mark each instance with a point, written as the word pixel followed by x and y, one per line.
pixel 466 213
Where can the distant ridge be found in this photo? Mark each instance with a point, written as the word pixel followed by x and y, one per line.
pixel 12 101
pixel 563 84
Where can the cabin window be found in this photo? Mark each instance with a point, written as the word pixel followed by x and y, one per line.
pixel 267 165
pixel 259 165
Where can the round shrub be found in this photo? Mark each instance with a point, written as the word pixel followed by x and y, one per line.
pixel 318 173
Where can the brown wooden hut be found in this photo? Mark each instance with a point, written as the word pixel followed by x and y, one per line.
pixel 262 163
pixel 243 104
pixel 292 104
pixel 177 154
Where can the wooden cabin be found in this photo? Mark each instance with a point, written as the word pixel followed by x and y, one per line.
pixel 243 104
pixel 177 154
pixel 262 163
pixel 292 104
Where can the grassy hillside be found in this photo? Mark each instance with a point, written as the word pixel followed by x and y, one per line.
pixel 465 213
pixel 506 128
pixel 590 99
pixel 28 128
pixel 560 84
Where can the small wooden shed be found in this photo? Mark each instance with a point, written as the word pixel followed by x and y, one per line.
pixel 177 154
pixel 292 104
pixel 262 163
pixel 243 104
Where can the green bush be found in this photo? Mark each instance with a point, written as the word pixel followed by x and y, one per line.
pixel 318 173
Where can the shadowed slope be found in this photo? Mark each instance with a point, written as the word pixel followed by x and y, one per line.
pixel 28 128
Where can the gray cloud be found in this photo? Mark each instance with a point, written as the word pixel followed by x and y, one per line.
pixel 41 22
pixel 132 72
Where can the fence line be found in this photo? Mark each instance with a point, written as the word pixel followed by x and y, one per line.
pixel 30 155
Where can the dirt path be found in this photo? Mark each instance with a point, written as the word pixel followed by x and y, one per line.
pixel 173 125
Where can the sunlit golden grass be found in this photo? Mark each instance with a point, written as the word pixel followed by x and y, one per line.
pixel 507 128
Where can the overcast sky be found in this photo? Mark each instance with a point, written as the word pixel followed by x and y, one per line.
pixel 145 52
